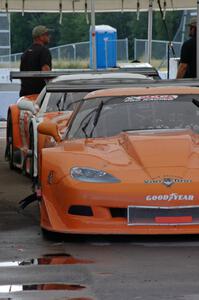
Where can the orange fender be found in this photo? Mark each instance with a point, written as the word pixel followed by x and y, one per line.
pixel 15 114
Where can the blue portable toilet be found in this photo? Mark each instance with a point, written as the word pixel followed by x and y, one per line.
pixel 106 46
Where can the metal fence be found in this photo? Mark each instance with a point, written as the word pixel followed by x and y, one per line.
pixel 159 51
pixel 74 52
pixel 71 51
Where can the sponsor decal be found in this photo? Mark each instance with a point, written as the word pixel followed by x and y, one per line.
pixel 151 98
pixel 170 197
pixel 167 181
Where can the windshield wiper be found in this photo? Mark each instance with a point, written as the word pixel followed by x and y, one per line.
pixel 196 102
pixel 97 112
pixel 61 102
pixel 96 117
pixel 58 105
pixel 85 126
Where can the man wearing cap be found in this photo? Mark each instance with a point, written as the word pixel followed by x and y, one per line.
pixel 36 58
pixel 187 66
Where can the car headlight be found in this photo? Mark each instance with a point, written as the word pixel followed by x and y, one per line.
pixel 92 175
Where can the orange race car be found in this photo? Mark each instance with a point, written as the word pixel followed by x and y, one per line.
pixel 128 164
pixel 24 116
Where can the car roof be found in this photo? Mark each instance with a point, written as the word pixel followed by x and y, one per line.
pixel 87 76
pixel 161 90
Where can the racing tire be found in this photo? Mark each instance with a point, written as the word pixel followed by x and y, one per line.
pixel 9 152
pixel 31 147
pixel 51 236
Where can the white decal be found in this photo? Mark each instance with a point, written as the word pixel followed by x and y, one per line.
pixel 151 98
pixel 167 181
pixel 170 197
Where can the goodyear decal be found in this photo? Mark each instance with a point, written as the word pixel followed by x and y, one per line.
pixel 170 197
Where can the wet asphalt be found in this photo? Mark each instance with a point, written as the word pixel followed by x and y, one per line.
pixel 88 267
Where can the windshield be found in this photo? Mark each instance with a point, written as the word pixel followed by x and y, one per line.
pixel 61 101
pixel 109 116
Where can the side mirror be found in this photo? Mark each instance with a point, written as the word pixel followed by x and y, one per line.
pixel 49 128
pixel 27 105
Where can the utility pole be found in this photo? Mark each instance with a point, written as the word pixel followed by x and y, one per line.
pixel 93 34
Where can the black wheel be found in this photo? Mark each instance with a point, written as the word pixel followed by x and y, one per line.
pixel 9 152
pixel 31 148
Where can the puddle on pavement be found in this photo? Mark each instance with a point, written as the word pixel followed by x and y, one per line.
pixel 44 286
pixel 78 299
pixel 48 259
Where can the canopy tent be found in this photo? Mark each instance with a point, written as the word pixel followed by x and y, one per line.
pixel 101 6
pixel 82 5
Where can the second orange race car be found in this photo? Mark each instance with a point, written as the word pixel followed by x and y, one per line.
pixel 24 116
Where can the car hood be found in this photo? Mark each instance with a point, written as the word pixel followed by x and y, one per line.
pixel 141 150
pixel 163 149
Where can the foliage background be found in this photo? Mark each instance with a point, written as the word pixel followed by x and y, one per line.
pixel 74 27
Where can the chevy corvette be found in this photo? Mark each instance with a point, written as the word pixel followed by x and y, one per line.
pixel 128 163
pixel 24 116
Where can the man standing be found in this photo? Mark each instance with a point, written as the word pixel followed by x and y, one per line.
pixel 36 58
pixel 187 66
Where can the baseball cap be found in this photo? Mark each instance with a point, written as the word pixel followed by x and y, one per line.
pixel 193 22
pixel 39 30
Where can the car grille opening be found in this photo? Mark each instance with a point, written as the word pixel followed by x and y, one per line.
pixel 117 212
pixel 80 210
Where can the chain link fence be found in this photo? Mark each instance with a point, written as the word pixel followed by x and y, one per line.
pixel 77 51
pixel 159 51
pixel 71 53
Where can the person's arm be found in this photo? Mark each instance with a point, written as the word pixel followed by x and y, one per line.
pixel 184 60
pixel 181 70
pixel 45 60
pixel 45 68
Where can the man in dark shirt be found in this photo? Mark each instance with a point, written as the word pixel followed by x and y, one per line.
pixel 187 66
pixel 36 58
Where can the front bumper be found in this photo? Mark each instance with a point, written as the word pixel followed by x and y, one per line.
pixel 106 212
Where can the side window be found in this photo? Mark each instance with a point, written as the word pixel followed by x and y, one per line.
pixel 44 103
pixel 41 97
pixel 55 102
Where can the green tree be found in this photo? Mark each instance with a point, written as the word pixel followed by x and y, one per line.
pixel 21 29
pixel 172 21
pixel 74 27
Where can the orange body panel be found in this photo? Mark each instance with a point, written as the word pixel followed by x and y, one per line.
pixel 15 112
pixel 15 115
pixel 168 90
pixel 132 166
pixel 61 119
